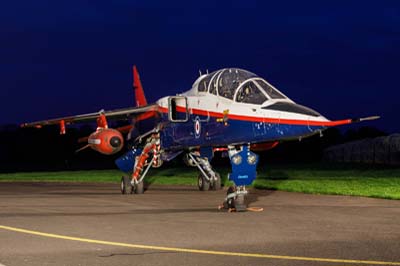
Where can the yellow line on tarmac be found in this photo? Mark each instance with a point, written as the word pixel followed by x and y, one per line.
pixel 197 251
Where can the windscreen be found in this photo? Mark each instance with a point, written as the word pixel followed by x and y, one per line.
pixel 272 93
pixel 250 93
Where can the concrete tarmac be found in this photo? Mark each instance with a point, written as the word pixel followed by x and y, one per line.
pixel 173 223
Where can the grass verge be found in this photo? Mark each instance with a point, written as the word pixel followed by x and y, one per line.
pixel 354 180
pixel 336 179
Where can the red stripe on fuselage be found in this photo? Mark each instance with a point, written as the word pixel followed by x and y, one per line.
pixel 260 119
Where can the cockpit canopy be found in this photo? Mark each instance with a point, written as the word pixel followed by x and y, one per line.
pixel 236 84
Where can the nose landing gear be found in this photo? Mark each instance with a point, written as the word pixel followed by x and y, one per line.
pixel 244 164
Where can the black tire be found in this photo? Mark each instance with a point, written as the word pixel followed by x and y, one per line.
pixel 216 185
pixel 203 183
pixel 230 203
pixel 126 187
pixel 240 204
pixel 139 188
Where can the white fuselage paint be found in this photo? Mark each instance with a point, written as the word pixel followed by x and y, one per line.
pixel 217 104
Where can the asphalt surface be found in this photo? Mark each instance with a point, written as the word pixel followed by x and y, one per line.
pixel 298 229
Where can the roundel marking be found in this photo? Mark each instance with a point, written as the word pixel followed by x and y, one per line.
pixel 197 127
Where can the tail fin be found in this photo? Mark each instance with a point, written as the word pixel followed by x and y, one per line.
pixel 138 89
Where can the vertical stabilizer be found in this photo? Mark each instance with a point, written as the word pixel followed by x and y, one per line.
pixel 138 89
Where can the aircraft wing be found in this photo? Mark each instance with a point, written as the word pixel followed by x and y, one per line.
pixel 112 114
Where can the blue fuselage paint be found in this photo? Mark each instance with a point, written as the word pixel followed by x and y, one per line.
pixel 181 135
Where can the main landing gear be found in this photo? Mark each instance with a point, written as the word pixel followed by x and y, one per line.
pixel 208 178
pixel 148 157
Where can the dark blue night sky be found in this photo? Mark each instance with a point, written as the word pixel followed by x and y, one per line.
pixel 59 58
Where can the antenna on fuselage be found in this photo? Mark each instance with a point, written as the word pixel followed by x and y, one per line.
pixel 200 72
pixel 207 71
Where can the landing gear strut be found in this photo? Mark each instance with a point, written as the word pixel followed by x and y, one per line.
pixel 208 178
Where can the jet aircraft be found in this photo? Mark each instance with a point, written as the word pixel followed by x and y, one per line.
pixel 231 109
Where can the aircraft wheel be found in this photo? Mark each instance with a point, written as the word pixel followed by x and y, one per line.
pixel 240 204
pixel 126 187
pixel 203 183
pixel 139 188
pixel 217 183
pixel 230 203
